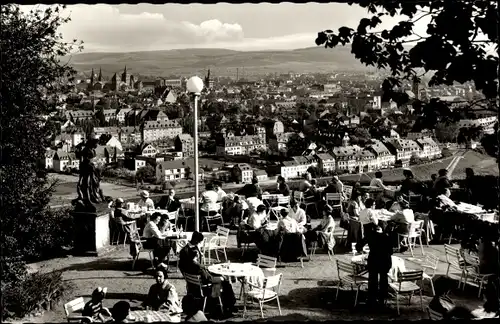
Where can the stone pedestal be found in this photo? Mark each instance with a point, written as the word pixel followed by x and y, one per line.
pixel 92 233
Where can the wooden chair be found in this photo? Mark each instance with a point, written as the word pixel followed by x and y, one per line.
pixel 454 260
pixel 216 243
pixel 269 292
pixel 76 306
pixel 335 198
pixel 406 285
pixel 415 232
pixel 429 266
pixel 195 282
pixel 434 315
pixel 349 277
pixel 136 239
pixel 472 271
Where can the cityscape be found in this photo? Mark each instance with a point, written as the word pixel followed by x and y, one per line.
pixel 279 112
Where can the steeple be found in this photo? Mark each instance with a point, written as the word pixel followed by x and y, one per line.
pixel 92 77
pixel 99 78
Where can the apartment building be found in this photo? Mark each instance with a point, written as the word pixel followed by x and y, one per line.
pixel 428 148
pixel 184 143
pixel 241 145
pixel 155 130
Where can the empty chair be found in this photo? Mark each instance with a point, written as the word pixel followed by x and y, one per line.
pixel 347 192
pixel 298 196
pixel 429 266
pixel 270 291
pixel 347 275
pixel 136 239
pixel 455 261
pixel 406 284
pixel 266 263
pixel 215 217
pixel 471 271
pixel 334 200
pixel 282 203
pixel 217 243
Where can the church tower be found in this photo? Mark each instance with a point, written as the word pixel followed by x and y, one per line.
pixel 345 140
pixel 99 78
pixel 114 83
pixel 125 77
pixel 92 77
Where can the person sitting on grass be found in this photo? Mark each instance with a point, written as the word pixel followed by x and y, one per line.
pixel 120 311
pixel 193 314
pixel 163 295
pixel 94 309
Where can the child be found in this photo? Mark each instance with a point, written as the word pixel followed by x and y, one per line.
pixel 94 308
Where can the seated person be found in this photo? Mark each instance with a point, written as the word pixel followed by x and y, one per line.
pixel 120 311
pixel 283 187
pixel 221 194
pixel 193 314
pixel 299 215
pixel 443 304
pixel 253 203
pixel 258 218
pixel 170 202
pixel 162 295
pixel 190 262
pixel 165 225
pixel 287 224
pixel 396 205
pixel 152 234
pixel 442 183
pixel 94 309
pixel 405 215
pixel 145 201
pixel 312 192
pixel 209 201
pixel 251 190
pixel 323 233
pixel 121 215
pixel 305 184
pixel 377 181
pixel 234 212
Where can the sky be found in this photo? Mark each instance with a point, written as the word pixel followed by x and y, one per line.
pixel 246 27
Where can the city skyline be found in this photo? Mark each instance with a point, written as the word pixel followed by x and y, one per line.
pixel 146 27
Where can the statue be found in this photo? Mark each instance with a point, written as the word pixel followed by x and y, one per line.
pixel 89 183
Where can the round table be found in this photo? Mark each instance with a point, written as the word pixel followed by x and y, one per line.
pixel 238 270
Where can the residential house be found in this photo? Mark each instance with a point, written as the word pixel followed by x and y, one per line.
pixel 243 172
pixel 366 161
pixel 486 123
pixel 141 161
pixel 148 150
pixel 273 127
pixel 296 167
pixel 261 175
pixel 240 145
pixel 130 135
pixel 175 170
pixel 63 161
pixel 429 148
pixel 385 159
pixel 154 130
pixel 120 115
pixel 48 161
pixel 107 154
pixel 79 115
pixel 278 142
pixel 113 131
pixel 114 142
pixel 403 149
pixel 185 144
pixel 416 135
pixel 63 141
pixel 326 162
pixel 346 155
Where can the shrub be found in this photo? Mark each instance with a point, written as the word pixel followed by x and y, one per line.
pixel 446 153
pixel 35 292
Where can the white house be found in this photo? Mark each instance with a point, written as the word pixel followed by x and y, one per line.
pixel 175 170
pixel 385 159
pixel 296 167
pixel 326 162
pixel 429 148
pixel 48 161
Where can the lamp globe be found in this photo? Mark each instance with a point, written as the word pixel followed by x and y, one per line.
pixel 194 85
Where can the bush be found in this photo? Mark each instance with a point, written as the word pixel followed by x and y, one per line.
pixel 35 292
pixel 446 153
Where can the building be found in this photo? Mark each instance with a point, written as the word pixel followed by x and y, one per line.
pixel 184 143
pixel 366 161
pixel 155 130
pixel 243 173
pixel 48 161
pixel 120 115
pixel 261 175
pixel 64 161
pixel 346 155
pixel 79 115
pixel 63 141
pixel 326 162
pixel 241 145
pixel 385 159
pixel 112 131
pixel 175 170
pixel 429 148
pixel 148 150
pixel 403 149
pixel 296 167
pixel 278 143
pixel 130 135
pixel 486 123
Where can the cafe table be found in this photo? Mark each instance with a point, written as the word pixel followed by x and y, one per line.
pixel 181 240
pixel 247 271
pixel 361 262
pixel 151 316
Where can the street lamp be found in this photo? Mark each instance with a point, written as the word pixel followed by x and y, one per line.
pixel 195 85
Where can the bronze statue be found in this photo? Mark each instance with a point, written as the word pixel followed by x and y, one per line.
pixel 89 184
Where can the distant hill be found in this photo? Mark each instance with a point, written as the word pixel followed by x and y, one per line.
pixel 222 62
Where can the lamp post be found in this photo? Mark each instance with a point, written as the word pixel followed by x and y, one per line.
pixel 195 85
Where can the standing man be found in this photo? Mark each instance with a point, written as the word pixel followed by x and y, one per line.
pixel 379 264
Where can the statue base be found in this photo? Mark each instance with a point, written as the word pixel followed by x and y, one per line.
pixel 92 237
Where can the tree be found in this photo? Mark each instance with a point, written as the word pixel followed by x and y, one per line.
pixel 450 52
pixel 296 145
pixel 31 71
pixel 446 132
pixel 147 173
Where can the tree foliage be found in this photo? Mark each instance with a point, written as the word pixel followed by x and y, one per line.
pixel 460 35
pixel 31 72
